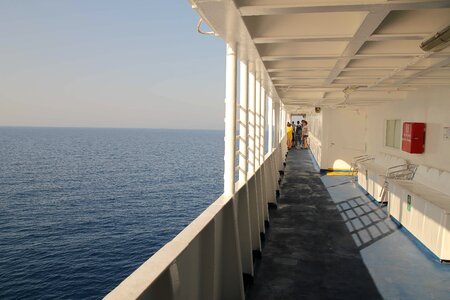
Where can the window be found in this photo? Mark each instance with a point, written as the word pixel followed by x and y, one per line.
pixel 393 133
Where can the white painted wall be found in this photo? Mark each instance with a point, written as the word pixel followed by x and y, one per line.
pixel 315 123
pixel 429 105
pixel 336 136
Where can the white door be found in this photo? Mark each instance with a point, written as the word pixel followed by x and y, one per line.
pixel 347 137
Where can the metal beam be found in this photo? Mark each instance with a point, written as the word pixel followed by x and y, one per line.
pixel 337 38
pixel 324 7
pixel 344 57
pixel 284 39
pixel 365 30
pixel 430 69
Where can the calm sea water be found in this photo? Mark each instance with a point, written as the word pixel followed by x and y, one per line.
pixel 80 209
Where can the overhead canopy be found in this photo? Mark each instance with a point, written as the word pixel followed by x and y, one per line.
pixel 336 52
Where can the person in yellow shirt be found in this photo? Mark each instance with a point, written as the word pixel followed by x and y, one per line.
pixel 289 135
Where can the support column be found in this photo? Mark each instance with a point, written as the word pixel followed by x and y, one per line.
pixel 251 123
pixel 230 121
pixel 264 166
pixel 270 123
pixel 262 123
pixel 276 130
pixel 243 122
pixel 252 146
pixel 257 124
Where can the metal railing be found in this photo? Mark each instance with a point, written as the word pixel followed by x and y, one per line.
pixel 356 160
pixel 400 172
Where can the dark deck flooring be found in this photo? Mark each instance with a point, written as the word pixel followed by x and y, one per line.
pixel 309 252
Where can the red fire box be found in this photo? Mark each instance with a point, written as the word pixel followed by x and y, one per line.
pixel 413 138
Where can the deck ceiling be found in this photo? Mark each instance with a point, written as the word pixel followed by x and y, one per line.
pixel 340 52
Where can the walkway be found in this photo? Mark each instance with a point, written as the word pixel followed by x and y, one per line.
pixel 327 240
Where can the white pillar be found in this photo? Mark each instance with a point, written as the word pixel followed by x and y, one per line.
pixel 258 124
pixel 230 121
pixel 243 122
pixel 277 120
pixel 270 123
pixel 251 122
pixel 262 125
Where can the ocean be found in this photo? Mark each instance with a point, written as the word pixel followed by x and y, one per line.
pixel 80 209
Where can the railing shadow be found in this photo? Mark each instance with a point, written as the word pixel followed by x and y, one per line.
pixel 366 221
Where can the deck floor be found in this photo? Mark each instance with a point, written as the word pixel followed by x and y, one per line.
pixel 328 240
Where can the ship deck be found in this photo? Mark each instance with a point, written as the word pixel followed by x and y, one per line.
pixel 328 240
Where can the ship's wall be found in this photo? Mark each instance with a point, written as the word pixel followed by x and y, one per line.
pixel 429 105
pixel 315 123
pixel 336 136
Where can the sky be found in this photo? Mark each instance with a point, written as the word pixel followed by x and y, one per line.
pixel 108 63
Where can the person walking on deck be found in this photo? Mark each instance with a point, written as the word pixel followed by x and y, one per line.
pixel 294 140
pixel 305 133
pixel 298 135
pixel 289 135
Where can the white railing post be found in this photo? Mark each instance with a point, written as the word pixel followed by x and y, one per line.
pixel 276 130
pixel 251 123
pixel 258 124
pixel 243 121
pixel 262 155
pixel 262 124
pixel 282 124
pixel 252 184
pixel 258 153
pixel 230 121
pixel 270 123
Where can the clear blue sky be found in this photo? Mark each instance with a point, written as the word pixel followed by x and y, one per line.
pixel 107 63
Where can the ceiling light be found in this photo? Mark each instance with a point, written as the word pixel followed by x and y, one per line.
pixel 438 41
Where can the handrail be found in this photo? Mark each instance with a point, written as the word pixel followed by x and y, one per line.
pixel 359 159
pixel 208 258
pixel 399 172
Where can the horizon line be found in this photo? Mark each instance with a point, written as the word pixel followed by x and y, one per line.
pixel 105 127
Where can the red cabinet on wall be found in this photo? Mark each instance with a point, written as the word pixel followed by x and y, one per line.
pixel 413 137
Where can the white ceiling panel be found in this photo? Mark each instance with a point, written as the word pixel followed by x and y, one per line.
pixel 344 52
pixel 293 64
pixel 415 21
pixel 409 47
pixel 310 25
pixel 305 48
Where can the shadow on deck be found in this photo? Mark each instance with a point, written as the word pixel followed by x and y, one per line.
pixel 327 240
pixel 309 253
